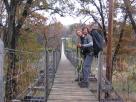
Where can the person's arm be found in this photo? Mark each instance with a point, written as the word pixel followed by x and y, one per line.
pixel 88 45
pixel 90 40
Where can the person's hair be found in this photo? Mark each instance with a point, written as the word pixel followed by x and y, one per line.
pixel 78 30
pixel 85 28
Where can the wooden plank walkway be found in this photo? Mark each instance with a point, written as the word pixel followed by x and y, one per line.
pixel 65 89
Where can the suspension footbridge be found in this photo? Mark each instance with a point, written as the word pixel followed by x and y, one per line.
pixel 49 76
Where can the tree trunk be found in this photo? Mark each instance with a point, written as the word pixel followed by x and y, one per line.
pixel 109 45
pixel 10 39
pixel 11 43
pixel 103 20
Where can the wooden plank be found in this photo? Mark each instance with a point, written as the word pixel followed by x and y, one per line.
pixel 65 89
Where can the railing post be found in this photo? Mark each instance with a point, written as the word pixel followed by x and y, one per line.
pixel 99 83
pixel 46 82
pixel 54 61
pixel 1 71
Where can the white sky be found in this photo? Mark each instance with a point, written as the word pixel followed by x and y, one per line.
pixel 70 20
pixel 67 20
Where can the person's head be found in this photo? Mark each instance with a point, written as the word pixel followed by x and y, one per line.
pixel 95 26
pixel 89 28
pixel 79 32
pixel 92 26
pixel 85 30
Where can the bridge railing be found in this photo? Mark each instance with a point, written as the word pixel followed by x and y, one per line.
pixel 124 77
pixel 122 88
pixel 104 86
pixel 29 76
pixel 52 61
pixel 20 71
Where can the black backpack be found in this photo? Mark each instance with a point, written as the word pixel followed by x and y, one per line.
pixel 98 42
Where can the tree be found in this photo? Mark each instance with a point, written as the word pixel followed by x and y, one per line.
pixel 2 15
pixel 126 13
pixel 54 34
pixel 11 37
pixel 119 41
pixel 17 12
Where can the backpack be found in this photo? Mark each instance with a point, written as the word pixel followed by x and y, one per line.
pixel 98 42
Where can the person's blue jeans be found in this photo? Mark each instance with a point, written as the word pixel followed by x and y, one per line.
pixel 87 67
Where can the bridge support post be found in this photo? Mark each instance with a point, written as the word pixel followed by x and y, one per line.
pixel 46 75
pixel 99 83
pixel 1 71
pixel 109 44
pixel 54 62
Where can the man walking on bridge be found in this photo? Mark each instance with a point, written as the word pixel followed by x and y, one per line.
pixel 86 45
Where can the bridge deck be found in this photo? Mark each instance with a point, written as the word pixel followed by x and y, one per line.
pixel 65 89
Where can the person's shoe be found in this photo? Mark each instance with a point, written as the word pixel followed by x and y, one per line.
pixel 78 79
pixel 83 84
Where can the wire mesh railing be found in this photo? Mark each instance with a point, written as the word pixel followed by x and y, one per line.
pixel 51 68
pixel 104 86
pixel 20 70
pixel 28 76
pixel 124 77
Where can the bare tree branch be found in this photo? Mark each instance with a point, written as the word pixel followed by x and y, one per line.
pixel 55 10
pixel 129 11
pixel 103 19
pixel 24 14
pixel 96 7
pixel 96 20
pixel 7 5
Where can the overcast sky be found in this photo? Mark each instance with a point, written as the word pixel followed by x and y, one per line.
pixel 67 20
